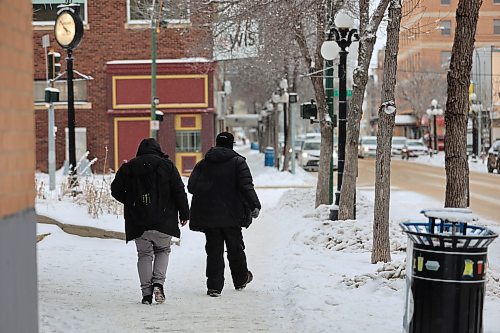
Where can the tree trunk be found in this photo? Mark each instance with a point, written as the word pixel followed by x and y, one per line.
pixel 326 150
pixel 354 111
pixel 457 106
pixel 381 250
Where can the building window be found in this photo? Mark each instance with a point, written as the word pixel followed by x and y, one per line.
pixel 188 141
pixel 79 86
pixel 496 27
pixel 496 1
pixel 445 59
pixel 445 2
pixel 445 27
pixel 45 11
pixel 174 11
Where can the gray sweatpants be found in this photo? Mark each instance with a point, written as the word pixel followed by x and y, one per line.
pixel 153 250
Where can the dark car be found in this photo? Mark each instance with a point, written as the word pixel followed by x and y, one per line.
pixel 493 157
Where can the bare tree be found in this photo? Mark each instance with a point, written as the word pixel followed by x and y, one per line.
pixel 457 168
pixel 415 90
pixel 381 246
pixel 290 29
pixel 368 35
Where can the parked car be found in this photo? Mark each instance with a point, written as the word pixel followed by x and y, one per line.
pixel 494 157
pixel 299 140
pixel 414 148
pixel 367 146
pixel 309 156
pixel 310 153
pixel 398 142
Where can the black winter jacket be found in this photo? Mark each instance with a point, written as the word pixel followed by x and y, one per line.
pixel 223 191
pixel 174 198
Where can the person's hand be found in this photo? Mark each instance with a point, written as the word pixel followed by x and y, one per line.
pixel 183 222
pixel 255 213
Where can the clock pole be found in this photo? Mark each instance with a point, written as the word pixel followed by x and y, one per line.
pixel 71 117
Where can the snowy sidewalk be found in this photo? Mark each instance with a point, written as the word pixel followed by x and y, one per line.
pixel 311 274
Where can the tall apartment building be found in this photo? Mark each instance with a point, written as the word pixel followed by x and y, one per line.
pixel 18 272
pixel 113 108
pixel 426 40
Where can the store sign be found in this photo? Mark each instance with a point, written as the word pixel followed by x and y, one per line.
pixel 236 40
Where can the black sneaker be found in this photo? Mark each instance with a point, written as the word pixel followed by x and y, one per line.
pixel 249 279
pixel 158 292
pixel 213 293
pixel 147 299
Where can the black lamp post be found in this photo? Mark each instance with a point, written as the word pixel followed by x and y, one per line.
pixel 343 35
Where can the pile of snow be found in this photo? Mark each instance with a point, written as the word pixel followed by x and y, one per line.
pixel 438 160
pixel 385 275
pixel 348 235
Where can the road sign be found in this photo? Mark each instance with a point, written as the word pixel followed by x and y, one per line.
pixel 155 125
pixel 336 93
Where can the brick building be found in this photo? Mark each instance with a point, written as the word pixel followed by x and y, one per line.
pixel 426 40
pixel 18 278
pixel 113 109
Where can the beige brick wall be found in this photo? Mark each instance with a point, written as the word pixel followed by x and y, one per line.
pixel 17 128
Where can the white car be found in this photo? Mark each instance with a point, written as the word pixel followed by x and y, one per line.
pixel 398 143
pixel 367 146
pixel 414 148
pixel 309 156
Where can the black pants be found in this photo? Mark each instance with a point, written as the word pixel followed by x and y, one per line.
pixel 215 239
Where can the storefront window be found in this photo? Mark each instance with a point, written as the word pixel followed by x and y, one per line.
pixel 45 11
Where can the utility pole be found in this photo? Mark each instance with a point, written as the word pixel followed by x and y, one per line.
pixel 155 29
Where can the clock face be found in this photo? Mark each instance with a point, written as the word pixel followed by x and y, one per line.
pixel 65 29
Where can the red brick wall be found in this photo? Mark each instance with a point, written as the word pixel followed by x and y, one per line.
pixel 107 38
pixel 17 141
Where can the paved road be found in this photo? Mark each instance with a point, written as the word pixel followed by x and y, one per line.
pixel 431 181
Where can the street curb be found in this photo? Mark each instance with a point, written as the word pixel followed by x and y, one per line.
pixel 82 231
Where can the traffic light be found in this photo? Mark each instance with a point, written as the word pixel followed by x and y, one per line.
pixel 53 64
pixel 308 110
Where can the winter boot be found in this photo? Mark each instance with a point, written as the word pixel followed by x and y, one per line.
pixel 148 299
pixel 249 279
pixel 213 293
pixel 158 292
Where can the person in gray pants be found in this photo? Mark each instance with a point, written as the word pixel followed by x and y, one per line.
pixel 155 200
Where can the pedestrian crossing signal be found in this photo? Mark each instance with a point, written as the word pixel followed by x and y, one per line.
pixel 308 110
pixel 53 64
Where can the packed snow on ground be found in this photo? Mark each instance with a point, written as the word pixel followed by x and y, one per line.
pixel 478 165
pixel 311 274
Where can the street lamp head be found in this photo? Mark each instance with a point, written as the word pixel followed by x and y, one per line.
pixel 276 98
pixel 284 97
pixel 284 84
pixel 434 103
pixel 329 50
pixel 343 21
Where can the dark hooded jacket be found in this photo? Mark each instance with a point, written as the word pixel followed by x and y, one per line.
pixel 223 191
pixel 174 204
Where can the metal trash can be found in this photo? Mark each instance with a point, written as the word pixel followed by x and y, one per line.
pixel 445 273
pixel 254 146
pixel 269 157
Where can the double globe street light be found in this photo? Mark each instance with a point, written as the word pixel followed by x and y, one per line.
pixel 340 36
pixel 435 110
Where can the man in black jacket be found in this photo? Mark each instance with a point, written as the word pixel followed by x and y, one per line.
pixel 224 200
pixel 154 197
